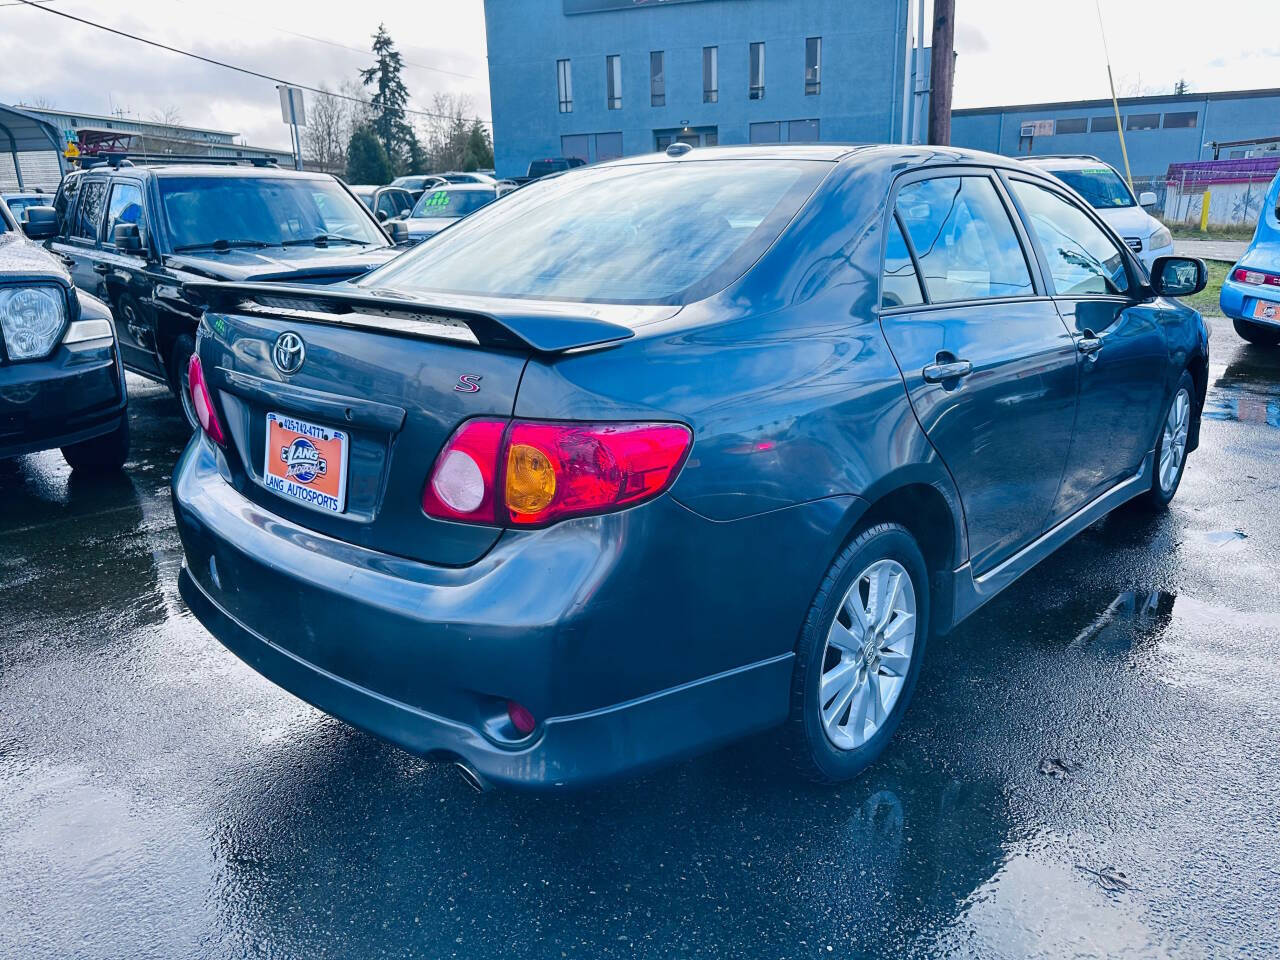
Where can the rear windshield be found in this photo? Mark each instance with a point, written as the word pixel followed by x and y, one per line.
pixel 452 203
pixel 1101 186
pixel 645 233
pixel 200 211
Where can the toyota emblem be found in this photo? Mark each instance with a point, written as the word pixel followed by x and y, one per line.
pixel 289 352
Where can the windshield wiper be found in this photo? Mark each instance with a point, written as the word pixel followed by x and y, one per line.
pixel 219 245
pixel 324 239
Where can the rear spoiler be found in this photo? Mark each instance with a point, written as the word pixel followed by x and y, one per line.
pixel 443 318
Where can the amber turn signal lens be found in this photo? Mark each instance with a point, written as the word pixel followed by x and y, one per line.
pixel 531 479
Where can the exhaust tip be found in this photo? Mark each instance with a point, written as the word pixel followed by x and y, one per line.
pixel 471 778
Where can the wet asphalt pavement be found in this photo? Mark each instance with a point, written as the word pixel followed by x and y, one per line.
pixel 1089 766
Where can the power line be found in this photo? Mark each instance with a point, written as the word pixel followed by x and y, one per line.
pixel 341 46
pixel 35 5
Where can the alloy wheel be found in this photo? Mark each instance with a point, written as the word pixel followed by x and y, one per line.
pixel 868 654
pixel 1173 446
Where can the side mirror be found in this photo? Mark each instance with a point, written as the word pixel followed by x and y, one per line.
pixel 399 231
pixel 1147 198
pixel 40 223
pixel 127 238
pixel 1178 276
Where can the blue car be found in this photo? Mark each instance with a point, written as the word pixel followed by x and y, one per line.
pixel 665 452
pixel 1251 293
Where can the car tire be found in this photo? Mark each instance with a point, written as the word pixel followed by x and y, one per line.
pixel 179 357
pixel 841 674
pixel 1175 429
pixel 1257 333
pixel 103 454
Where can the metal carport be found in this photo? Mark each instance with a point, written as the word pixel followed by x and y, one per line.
pixel 30 151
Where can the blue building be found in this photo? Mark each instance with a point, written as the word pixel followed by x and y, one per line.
pixel 600 79
pixel 1158 131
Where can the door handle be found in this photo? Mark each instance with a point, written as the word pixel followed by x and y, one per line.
pixel 102 268
pixel 1089 345
pixel 946 370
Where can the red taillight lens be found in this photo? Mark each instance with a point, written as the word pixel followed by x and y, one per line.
pixel 557 470
pixel 203 402
pixel 464 481
pixel 1255 277
pixel 528 474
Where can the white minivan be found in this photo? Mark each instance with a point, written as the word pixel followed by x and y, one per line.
pixel 1101 184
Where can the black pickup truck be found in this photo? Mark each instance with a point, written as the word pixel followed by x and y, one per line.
pixel 132 235
pixel 61 379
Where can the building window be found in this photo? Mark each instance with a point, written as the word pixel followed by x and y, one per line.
pixel 765 132
pixel 802 131
pixel 613 79
pixel 564 82
pixel 710 74
pixel 1073 125
pixel 1181 121
pixel 1142 121
pixel 657 80
pixel 812 66
pixel 757 71
pixel 1105 124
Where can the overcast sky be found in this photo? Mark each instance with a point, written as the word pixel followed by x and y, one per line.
pixel 1010 51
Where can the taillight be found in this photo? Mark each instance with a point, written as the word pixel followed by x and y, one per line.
pixel 530 474
pixel 203 402
pixel 1255 277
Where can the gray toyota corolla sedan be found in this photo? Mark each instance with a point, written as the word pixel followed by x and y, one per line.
pixel 664 452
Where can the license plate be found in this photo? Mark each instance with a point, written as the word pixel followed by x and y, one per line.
pixel 1264 310
pixel 306 462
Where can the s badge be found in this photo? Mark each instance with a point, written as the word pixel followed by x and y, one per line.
pixel 468 383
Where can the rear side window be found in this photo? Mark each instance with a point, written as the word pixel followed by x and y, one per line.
pixel 964 240
pixel 900 286
pixel 640 233
pixel 88 216
pixel 125 207
pixel 1080 256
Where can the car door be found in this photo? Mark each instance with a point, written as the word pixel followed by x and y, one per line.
pixel 1117 329
pixel 988 363
pixel 126 278
pixel 77 242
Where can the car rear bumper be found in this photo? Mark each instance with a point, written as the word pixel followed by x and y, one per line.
pixel 621 673
pixel 75 395
pixel 1237 300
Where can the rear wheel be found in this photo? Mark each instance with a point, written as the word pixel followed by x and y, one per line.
pixel 101 454
pixel 179 358
pixel 859 654
pixel 1257 333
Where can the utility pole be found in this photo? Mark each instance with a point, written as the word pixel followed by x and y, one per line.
pixel 942 66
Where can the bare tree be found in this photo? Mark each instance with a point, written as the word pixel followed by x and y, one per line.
pixel 327 133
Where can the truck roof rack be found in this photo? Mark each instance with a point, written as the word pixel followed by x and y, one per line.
pixel 116 159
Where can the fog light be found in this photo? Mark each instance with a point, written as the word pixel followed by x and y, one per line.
pixel 520 718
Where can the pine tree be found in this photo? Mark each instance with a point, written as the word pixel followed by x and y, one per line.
pixel 367 160
pixel 389 100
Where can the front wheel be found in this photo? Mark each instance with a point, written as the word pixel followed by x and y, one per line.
pixel 1257 333
pixel 101 454
pixel 859 654
pixel 1171 448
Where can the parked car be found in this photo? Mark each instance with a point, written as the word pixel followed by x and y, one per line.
pixel 445 206
pixel 61 380
pixel 546 166
pixel 677 449
pixel 133 235
pixel 19 202
pixel 387 203
pixel 417 185
pixel 1103 187
pixel 1251 293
